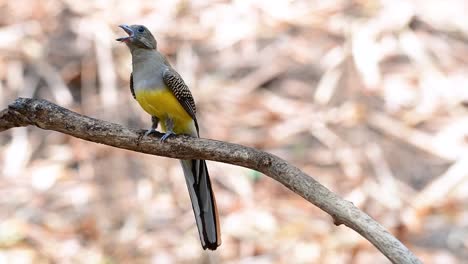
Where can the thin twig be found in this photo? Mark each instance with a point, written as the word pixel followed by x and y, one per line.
pixel 49 116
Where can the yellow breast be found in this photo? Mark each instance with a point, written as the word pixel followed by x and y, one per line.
pixel 163 104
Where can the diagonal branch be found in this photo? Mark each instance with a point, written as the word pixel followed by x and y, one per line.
pixel 46 115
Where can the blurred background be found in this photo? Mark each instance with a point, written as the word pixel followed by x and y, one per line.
pixel 368 97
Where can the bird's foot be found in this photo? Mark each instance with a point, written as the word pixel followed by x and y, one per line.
pixel 165 136
pixel 149 132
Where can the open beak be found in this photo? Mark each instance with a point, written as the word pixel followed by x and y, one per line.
pixel 129 31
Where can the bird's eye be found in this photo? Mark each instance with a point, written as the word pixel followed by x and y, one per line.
pixel 141 29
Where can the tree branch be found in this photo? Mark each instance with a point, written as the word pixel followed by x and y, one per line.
pixel 46 115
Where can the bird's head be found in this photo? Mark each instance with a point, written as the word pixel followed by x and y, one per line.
pixel 138 37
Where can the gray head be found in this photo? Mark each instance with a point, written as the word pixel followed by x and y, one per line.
pixel 138 37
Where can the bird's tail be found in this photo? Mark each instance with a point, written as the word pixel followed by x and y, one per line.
pixel 203 202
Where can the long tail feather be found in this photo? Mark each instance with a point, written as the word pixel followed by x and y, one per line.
pixel 203 202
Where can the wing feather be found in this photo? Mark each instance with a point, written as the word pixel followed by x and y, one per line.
pixel 181 91
pixel 132 90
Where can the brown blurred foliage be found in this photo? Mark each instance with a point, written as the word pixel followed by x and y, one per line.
pixel 369 97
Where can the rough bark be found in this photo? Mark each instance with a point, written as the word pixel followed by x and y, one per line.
pixel 48 116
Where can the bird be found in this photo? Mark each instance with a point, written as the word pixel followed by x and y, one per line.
pixel 163 94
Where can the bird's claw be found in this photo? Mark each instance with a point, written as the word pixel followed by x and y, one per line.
pixel 149 132
pixel 165 136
